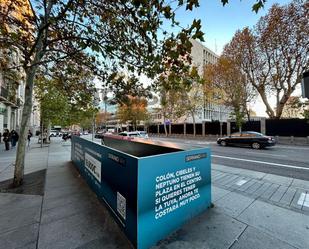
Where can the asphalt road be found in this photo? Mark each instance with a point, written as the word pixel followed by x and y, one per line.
pixel 284 160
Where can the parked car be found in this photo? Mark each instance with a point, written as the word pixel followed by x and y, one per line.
pixel 141 134
pixel 247 138
pixel 99 134
pixel 53 133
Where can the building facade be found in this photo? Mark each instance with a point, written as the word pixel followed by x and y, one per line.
pixel 12 93
pixel 209 110
pixel 12 77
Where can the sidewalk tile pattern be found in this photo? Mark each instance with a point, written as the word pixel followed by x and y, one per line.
pixel 262 189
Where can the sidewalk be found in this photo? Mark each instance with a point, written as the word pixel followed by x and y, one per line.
pixel 252 210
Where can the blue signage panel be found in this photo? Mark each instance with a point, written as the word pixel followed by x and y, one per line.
pixel 149 196
pixel 112 175
pixel 172 188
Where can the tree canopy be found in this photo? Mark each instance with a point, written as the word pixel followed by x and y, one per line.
pixel 275 53
pixel 104 36
pixel 133 111
pixel 230 86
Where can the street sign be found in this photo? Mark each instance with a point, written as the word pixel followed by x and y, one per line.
pixel 167 122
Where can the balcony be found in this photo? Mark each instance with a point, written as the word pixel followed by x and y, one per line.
pixel 4 93
pixel 8 98
pixel 19 102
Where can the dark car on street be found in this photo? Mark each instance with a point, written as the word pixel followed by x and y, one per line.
pixel 252 139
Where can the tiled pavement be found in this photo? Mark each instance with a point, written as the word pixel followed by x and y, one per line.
pixel 252 210
pixel 278 190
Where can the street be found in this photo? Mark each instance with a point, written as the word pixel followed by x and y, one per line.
pixel 251 209
pixel 284 160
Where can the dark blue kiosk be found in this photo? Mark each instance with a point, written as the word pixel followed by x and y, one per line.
pixel 151 188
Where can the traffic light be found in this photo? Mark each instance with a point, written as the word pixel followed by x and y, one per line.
pixel 305 85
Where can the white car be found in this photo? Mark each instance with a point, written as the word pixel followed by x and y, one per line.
pixel 141 134
pixel 53 133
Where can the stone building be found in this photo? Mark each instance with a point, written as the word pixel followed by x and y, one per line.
pixel 209 110
pixel 12 92
pixel 12 79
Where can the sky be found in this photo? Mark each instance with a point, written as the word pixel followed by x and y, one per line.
pixel 220 23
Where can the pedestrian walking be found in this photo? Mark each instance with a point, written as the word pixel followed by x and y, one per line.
pixel 14 138
pixel 0 137
pixel 6 139
pixel 29 137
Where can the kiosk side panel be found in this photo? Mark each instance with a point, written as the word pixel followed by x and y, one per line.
pixel 172 188
pixel 112 175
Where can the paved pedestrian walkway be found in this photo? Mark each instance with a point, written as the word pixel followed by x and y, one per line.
pixel 252 210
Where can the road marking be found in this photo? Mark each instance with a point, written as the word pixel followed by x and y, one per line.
pixel 268 154
pixel 241 182
pixel 303 200
pixel 261 162
pixel 299 147
pixel 205 143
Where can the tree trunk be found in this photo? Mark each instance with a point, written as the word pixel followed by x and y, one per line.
pixel 281 104
pixel 270 112
pixel 248 114
pixel 194 126
pixel 165 129
pixel 24 127
pixel 48 131
pixel 164 124
pixel 26 113
pixel 41 132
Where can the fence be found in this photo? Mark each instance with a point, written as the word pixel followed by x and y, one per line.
pixel 271 127
pixel 247 126
pixel 287 127
pixel 210 128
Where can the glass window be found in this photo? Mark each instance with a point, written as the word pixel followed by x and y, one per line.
pixel 248 135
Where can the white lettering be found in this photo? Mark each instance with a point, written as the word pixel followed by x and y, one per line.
pixel 175 190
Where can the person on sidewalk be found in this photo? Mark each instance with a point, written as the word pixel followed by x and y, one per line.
pixel 6 139
pixel 14 138
pixel 29 137
pixel 0 137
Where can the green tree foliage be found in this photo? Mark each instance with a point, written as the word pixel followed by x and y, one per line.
pixel 102 35
pixel 65 97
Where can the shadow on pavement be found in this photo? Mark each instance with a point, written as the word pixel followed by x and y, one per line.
pixel 33 184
